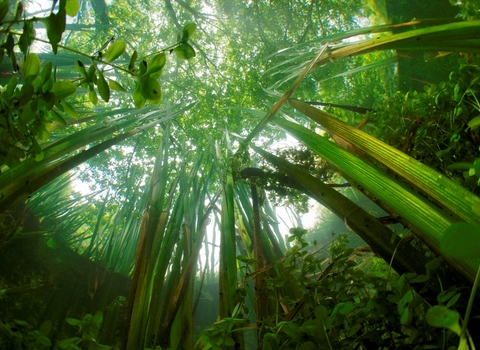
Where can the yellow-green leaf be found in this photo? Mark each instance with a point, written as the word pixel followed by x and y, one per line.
pixel 57 117
pixel 190 28
pixel 133 59
pixel 46 72
pixel 115 86
pixel 91 73
pixel 155 102
pixel 476 166
pixel 149 88
pixel 55 26
pixel 184 51
pixel 80 67
pixel 188 31
pixel 115 50
pixel 92 96
pixel 156 63
pixel 72 7
pixel 42 133
pixel 31 66
pixel 70 110
pixel 474 123
pixel 440 316
pixel 39 156
pixel 138 98
pixel 63 88
pixel 142 68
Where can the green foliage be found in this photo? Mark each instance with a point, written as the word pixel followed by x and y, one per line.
pixel 283 190
pixel 88 328
pixel 442 316
pixel 438 126
pixel 219 335
pixel 32 105
pixel 350 308
pixel 19 335
pixel 184 51
pixel 469 10
pixel 337 310
pixel 345 306
pixel 461 241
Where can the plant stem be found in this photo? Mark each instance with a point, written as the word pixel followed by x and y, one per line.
pixel 87 56
pixel 470 303
pixel 91 57
pixel 328 340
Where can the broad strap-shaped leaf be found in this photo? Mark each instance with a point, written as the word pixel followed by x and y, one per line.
pixel 453 196
pixel 422 214
pixel 455 37
pixel 372 231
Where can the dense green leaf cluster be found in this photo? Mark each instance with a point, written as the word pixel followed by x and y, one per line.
pixel 35 105
pixel 345 305
pixel 439 126
pixel 150 209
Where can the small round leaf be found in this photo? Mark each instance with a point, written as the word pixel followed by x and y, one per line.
pixel 462 240
pixel 190 28
pixel 440 316
pixel 63 88
pixel 187 32
pixel 184 51
pixel 72 7
pixel 149 88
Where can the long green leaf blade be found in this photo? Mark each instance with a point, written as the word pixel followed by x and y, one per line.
pixel 419 212
pixel 448 193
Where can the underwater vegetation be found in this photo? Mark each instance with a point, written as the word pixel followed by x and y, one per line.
pixel 151 156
